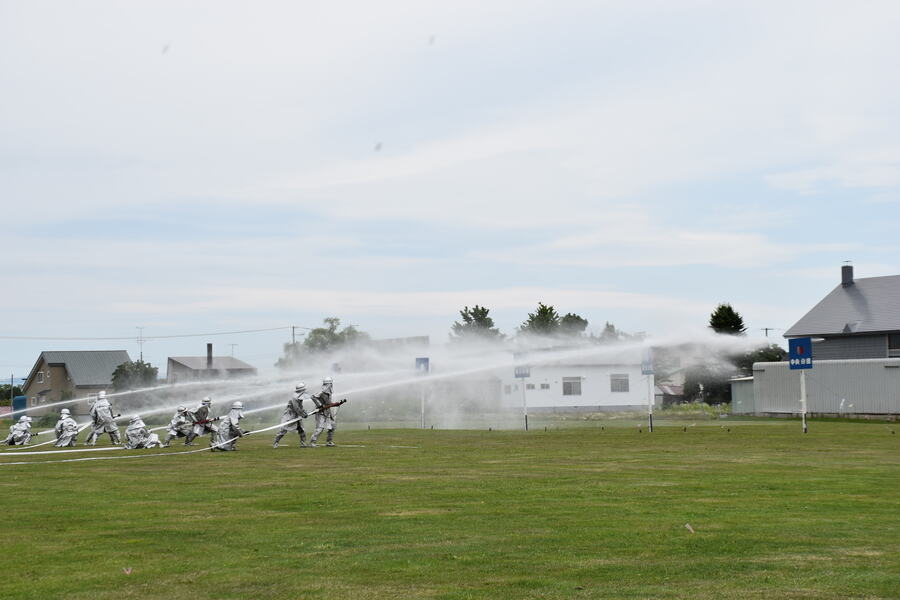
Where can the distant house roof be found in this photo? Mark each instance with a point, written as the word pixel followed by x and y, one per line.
pixel 868 305
pixel 85 367
pixel 220 363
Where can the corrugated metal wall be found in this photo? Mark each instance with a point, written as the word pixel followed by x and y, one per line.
pixel 742 401
pixel 870 386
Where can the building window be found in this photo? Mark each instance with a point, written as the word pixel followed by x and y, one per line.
pixel 618 382
pixel 571 386
pixel 507 389
pixel 40 377
pixel 545 386
pixel 894 345
pixel 529 386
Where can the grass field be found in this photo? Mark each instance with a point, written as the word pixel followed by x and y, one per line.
pixel 567 513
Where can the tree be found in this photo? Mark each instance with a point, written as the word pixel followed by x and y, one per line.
pixel 328 338
pixel 572 324
pixel 476 326
pixel 710 384
pixel 134 375
pixel 610 333
pixel 4 393
pixel 322 340
pixel 727 320
pixel 543 321
pixel 768 353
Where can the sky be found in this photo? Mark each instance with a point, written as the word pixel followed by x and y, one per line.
pixel 209 167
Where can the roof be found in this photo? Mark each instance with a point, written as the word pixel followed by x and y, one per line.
pixel 85 367
pixel 869 305
pixel 220 363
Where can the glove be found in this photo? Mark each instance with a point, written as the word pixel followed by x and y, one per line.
pixel 303 414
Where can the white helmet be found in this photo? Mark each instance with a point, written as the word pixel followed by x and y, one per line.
pixel 64 411
pixel 101 395
pixel 24 419
pixel 238 405
pixel 300 387
pixel 207 400
pixel 328 381
pixel 181 408
pixel 135 418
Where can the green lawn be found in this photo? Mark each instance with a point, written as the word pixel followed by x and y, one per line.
pixel 567 513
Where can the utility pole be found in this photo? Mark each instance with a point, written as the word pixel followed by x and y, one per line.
pixel 768 329
pixel 141 341
pixel 232 349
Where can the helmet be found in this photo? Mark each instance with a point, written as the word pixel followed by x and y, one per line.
pixel 238 405
pixel 207 400
pixel 328 381
pixel 64 411
pixel 101 395
pixel 24 419
pixel 300 386
pixel 181 408
pixel 135 418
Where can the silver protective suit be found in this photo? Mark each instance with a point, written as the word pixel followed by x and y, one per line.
pixel 103 421
pixel 180 426
pixel 66 432
pixel 228 431
pixel 294 411
pixel 138 436
pixel 19 433
pixel 324 416
pixel 201 423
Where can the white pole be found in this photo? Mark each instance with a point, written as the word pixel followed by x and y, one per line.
pixel 423 405
pixel 524 404
pixel 650 402
pixel 803 398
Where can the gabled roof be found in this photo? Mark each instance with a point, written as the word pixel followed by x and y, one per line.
pixel 869 305
pixel 85 367
pixel 220 363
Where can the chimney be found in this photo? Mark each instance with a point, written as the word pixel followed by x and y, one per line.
pixel 209 356
pixel 847 275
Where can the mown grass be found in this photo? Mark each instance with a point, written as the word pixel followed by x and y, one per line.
pixel 567 513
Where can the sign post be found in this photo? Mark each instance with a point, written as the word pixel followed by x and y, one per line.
pixel 800 357
pixel 423 366
pixel 647 371
pixel 522 373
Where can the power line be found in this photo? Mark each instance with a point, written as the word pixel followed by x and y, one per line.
pixel 143 337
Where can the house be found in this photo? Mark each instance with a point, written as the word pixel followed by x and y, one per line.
pixel 63 375
pixel 580 385
pixel 192 368
pixel 858 319
pixel 855 352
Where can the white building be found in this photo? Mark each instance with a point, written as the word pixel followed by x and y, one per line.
pixel 565 385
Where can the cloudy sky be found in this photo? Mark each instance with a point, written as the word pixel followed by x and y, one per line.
pixel 194 167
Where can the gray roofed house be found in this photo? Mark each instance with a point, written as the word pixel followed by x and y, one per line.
pixel 189 368
pixel 64 374
pixel 860 318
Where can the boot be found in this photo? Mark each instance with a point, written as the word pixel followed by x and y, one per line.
pixel 302 439
pixel 114 436
pixel 330 439
pixel 189 440
pixel 91 440
pixel 277 439
pixel 166 442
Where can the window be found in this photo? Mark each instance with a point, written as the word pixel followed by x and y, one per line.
pixel 40 377
pixel 894 345
pixel 545 386
pixel 529 386
pixel 618 382
pixel 571 386
pixel 507 389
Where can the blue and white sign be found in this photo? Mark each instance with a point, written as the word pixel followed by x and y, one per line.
pixel 647 362
pixel 800 353
pixel 423 365
pixel 523 372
